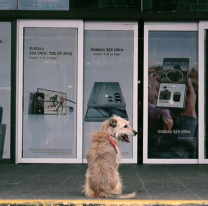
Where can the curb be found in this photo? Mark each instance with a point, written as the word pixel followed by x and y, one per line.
pixel 103 202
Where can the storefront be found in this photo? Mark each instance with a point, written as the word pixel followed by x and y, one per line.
pixel 62 76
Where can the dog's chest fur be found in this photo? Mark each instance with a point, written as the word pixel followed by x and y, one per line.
pixel 102 149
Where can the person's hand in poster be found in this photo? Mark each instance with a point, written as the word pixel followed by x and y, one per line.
pixel 175 143
pixel 166 115
pixel 160 114
pixel 190 101
pixel 154 112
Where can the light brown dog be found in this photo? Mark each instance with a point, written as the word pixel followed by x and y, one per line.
pixel 102 176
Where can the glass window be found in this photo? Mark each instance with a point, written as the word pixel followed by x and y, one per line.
pixel 8 4
pixel 43 5
pixel 173 5
pixel 106 4
pixel 5 89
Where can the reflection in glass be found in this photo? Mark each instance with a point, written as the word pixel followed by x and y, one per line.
pixel 172 124
pixel 8 4
pixel 43 5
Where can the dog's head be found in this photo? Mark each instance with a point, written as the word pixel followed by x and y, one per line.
pixel 119 128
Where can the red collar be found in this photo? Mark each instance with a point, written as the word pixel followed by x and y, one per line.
pixel 112 141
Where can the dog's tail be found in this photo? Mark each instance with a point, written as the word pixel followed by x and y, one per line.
pixel 126 196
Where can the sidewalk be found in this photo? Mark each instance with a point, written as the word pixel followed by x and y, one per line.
pixel 63 183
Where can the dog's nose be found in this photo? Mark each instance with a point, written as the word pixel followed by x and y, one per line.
pixel 135 133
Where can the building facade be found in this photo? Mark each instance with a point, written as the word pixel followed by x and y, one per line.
pixel 67 66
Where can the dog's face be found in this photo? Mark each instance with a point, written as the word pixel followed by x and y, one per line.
pixel 119 128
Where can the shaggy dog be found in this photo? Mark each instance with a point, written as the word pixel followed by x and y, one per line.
pixel 102 177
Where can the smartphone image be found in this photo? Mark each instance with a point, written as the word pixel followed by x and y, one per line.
pixel 172 89
pixel 106 99
pixel 39 103
pixel 31 103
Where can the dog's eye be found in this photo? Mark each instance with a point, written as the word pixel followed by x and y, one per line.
pixel 125 126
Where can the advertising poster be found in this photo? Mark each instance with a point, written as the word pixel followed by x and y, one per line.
pixel 5 89
pixel 108 81
pixel 50 93
pixel 173 95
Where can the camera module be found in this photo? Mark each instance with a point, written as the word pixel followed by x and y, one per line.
pixel 176 96
pixel 165 95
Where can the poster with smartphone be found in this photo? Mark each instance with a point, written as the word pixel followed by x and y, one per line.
pixel 173 95
pixel 5 89
pixel 108 81
pixel 50 92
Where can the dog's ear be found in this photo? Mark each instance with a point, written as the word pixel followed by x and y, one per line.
pixel 113 123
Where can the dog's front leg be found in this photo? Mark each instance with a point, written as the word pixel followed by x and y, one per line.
pixel 88 191
pixel 119 186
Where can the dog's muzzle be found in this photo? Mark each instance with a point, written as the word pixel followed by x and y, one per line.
pixel 126 138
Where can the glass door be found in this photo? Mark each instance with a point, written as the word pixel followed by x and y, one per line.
pixel 5 90
pixel 110 80
pixel 203 76
pixel 49 89
pixel 171 93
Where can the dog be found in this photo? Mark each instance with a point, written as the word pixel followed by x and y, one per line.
pixel 102 176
